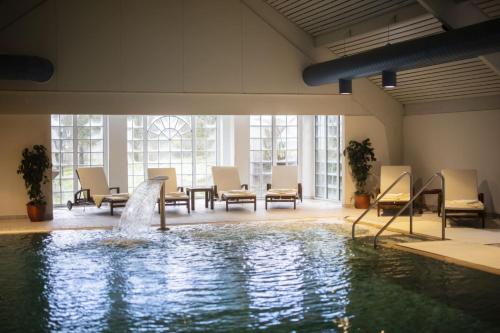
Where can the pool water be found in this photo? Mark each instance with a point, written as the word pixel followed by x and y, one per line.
pixel 266 276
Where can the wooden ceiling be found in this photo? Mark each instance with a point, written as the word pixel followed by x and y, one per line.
pixel 465 78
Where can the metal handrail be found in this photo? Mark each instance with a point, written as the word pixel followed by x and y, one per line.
pixel 406 173
pixel 427 183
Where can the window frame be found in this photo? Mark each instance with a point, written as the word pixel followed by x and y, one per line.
pixel 75 140
pixel 338 162
pixel 145 149
pixel 274 149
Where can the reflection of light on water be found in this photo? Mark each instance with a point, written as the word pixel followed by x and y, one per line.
pixel 343 324
pixel 262 274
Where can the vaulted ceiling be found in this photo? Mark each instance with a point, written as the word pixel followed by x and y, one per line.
pixel 346 27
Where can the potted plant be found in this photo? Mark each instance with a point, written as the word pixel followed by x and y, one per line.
pixel 360 155
pixel 33 168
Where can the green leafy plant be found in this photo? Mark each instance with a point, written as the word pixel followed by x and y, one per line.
pixel 33 168
pixel 360 155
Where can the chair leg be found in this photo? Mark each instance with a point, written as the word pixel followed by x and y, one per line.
pixel 483 219
pixel 254 204
pixel 187 206
pixel 111 208
pixel 266 203
pixel 294 204
pixel 227 205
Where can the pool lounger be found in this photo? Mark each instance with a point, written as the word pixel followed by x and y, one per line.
pixel 399 195
pixel 284 186
pixel 228 187
pixel 95 190
pixel 174 195
pixel 461 198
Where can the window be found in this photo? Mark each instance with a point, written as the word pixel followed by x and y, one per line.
pixel 273 141
pixel 77 141
pixel 186 143
pixel 328 162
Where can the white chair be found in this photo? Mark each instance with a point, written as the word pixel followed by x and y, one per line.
pixel 461 195
pixel 399 195
pixel 284 185
pixel 228 187
pixel 95 189
pixel 174 195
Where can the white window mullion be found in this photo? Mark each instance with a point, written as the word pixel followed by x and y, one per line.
pixel 75 153
pixel 193 151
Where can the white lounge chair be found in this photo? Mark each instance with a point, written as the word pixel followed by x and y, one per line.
pixel 399 195
pixel 461 198
pixel 284 185
pixel 95 190
pixel 228 187
pixel 174 195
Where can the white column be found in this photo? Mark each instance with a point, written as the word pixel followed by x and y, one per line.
pixel 242 146
pixel 226 140
pixel 117 152
pixel 306 159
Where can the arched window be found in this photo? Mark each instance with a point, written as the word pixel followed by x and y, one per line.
pixel 186 143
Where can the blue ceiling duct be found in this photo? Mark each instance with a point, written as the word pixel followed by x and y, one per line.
pixel 463 43
pixel 23 67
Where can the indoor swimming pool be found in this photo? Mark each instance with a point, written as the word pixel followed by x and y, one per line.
pixel 262 276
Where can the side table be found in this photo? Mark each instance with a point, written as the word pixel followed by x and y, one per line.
pixel 209 195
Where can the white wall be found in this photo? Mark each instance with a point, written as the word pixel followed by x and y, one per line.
pixel 117 152
pixel 359 128
pixel 462 140
pixel 157 46
pixel 242 146
pixel 16 133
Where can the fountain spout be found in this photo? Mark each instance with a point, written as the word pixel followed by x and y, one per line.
pixel 161 203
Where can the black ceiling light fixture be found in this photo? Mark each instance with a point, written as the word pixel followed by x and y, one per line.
pixel 345 87
pixel 389 79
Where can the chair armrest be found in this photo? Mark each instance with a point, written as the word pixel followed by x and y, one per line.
pixel 480 197
pixel 77 195
pixel 116 188
pixel 268 187
pixel 300 191
pixel 245 186
pixel 180 188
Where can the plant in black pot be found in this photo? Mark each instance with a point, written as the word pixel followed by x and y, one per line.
pixel 360 156
pixel 33 168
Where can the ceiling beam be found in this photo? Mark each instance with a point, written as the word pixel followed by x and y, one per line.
pixel 454 15
pixel 381 21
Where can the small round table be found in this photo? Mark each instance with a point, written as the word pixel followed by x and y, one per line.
pixel 209 195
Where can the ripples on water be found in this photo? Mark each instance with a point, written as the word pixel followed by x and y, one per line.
pixel 274 276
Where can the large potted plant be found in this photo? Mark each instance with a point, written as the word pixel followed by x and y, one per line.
pixel 33 168
pixel 360 156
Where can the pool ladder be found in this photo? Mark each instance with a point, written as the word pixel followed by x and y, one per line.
pixel 408 204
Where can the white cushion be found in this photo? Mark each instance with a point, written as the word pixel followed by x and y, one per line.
pixel 282 192
pixel 389 173
pixel 237 194
pixel 284 177
pixel 464 204
pixel 93 179
pixel 460 184
pixel 226 178
pixel 392 197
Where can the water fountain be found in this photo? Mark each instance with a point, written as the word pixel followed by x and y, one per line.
pixel 139 210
